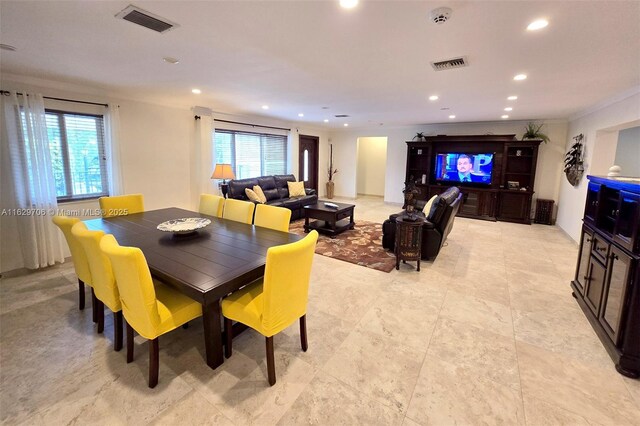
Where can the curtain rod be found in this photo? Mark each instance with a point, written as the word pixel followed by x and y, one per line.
pixel 4 92
pixel 252 125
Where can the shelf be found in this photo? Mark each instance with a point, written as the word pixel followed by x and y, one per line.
pixel 518 173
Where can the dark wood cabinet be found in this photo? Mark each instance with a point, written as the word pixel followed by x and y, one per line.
pixel 509 195
pixel 607 277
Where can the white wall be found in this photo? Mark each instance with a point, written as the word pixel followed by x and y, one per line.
pixel 600 129
pixel 628 151
pixel 372 160
pixel 548 173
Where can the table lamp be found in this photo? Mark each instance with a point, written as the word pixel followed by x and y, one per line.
pixel 224 172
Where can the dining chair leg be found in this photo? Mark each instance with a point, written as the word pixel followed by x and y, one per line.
pixel 100 312
pixel 129 342
pixel 271 366
pixel 154 362
pixel 228 331
pixel 117 331
pixel 81 294
pixel 303 333
pixel 94 308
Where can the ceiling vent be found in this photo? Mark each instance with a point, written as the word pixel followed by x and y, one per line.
pixel 341 116
pixel 440 15
pixel 148 20
pixel 450 64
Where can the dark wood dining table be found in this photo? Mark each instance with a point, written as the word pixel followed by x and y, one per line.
pixel 206 266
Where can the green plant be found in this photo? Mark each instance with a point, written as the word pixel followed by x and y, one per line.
pixel 532 131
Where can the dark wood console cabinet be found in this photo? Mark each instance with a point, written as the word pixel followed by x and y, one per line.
pixel 513 161
pixel 608 273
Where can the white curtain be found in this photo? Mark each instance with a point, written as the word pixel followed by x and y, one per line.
pixel 112 148
pixel 34 187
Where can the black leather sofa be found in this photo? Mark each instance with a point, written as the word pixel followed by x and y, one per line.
pixel 276 191
pixel 436 228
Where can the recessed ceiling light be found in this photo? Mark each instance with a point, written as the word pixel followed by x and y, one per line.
pixel 452 116
pixel 433 97
pixel 196 91
pixel 348 4
pixel 346 124
pixel 265 106
pixel 512 98
pixel 538 24
pixel 8 47
pixel 504 116
pixel 508 109
pixel 520 77
pixel 170 60
pixel 326 120
pixel 300 115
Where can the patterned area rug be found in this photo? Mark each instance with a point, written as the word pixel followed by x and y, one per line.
pixel 361 245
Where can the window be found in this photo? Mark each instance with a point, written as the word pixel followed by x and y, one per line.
pixel 251 154
pixel 76 144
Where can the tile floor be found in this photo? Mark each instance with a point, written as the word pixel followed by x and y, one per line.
pixel 486 334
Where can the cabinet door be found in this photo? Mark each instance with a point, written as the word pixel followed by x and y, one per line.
pixel 628 221
pixel 515 206
pixel 583 259
pixel 470 204
pixel 488 204
pixel 592 204
pixel 595 283
pixel 618 275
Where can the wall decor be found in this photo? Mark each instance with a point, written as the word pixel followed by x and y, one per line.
pixel 573 161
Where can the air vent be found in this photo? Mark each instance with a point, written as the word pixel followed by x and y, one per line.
pixel 341 116
pixel 450 64
pixel 148 20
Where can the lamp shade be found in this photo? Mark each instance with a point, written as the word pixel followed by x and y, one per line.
pixel 223 171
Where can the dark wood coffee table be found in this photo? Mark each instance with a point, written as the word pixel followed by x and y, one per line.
pixel 330 220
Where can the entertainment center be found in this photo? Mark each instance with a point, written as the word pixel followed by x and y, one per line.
pixel 501 179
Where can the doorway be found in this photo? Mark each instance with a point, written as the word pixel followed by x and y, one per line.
pixel 372 166
pixel 308 161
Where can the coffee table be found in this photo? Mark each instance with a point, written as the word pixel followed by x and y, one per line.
pixel 330 220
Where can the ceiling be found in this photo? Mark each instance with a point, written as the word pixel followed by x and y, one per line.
pixel 313 57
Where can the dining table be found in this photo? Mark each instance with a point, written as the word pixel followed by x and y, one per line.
pixel 205 265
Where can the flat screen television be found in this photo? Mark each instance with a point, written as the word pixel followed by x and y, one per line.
pixel 464 168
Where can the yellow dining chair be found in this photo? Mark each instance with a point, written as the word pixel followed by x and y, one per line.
pixel 104 284
pixel 151 310
pixel 80 262
pixel 238 210
pixel 272 217
pixel 211 205
pixel 276 301
pixel 121 205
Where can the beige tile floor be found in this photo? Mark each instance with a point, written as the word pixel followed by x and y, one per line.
pixel 486 334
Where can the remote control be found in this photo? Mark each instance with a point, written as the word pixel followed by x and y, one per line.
pixel 333 206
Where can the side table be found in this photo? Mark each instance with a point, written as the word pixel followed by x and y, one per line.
pixel 408 240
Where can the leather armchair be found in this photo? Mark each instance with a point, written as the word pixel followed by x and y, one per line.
pixel 436 228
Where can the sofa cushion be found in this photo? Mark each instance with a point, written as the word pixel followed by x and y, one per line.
pixel 437 209
pixel 291 203
pixel 260 194
pixel 267 182
pixel 283 192
pixel 271 194
pixel 296 189
pixel 237 187
pixel 252 196
pixel 307 200
pixel 277 202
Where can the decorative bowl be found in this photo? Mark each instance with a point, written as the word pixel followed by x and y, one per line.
pixel 185 225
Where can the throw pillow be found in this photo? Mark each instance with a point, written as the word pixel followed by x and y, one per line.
pixel 427 207
pixel 252 195
pixel 296 189
pixel 259 193
pixel 433 211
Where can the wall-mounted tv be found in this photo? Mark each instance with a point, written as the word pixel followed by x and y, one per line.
pixel 464 168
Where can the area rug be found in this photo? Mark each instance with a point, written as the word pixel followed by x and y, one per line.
pixel 361 245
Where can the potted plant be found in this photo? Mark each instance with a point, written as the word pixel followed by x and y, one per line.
pixel 331 172
pixel 532 131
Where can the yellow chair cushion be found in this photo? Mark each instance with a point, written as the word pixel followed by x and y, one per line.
pixel 246 306
pixel 174 308
pixel 260 193
pixel 252 195
pixel 296 189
